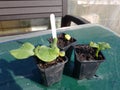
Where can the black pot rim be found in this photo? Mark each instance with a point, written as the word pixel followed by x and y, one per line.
pixel 43 69
pixel 65 47
pixel 85 61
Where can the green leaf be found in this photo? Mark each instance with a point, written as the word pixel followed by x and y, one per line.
pixel 103 45
pixel 94 45
pixel 46 54
pixel 100 46
pixel 62 53
pixel 25 51
pixel 67 36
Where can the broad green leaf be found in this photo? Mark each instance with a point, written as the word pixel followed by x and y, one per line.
pixel 46 54
pixel 25 51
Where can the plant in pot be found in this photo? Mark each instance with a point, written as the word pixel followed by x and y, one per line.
pixel 88 58
pixel 65 43
pixel 50 59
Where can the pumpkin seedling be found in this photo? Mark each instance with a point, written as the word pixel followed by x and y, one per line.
pixel 67 36
pixel 99 46
pixel 44 53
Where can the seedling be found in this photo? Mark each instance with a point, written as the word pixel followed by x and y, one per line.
pixel 67 36
pixel 100 46
pixel 44 53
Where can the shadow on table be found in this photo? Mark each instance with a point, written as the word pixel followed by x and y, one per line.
pixel 16 74
pixel 7 81
pixel 68 69
pixel 12 73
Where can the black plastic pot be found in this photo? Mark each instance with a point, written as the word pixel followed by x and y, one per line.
pixel 85 68
pixel 68 48
pixel 53 73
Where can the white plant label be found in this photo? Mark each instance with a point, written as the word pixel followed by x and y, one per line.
pixel 53 25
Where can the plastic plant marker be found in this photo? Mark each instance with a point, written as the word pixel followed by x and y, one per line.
pixel 53 26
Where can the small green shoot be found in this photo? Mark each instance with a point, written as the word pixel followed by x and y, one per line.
pixel 100 46
pixel 44 53
pixel 67 36
pixel 62 54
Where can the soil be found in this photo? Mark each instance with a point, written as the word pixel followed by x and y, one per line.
pixel 85 52
pixel 48 64
pixel 62 41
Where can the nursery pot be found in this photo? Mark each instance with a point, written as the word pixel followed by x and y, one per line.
pixel 84 68
pixel 64 44
pixel 52 74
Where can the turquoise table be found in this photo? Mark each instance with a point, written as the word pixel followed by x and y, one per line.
pixel 24 74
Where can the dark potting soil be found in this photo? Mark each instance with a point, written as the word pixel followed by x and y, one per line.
pixel 85 52
pixel 48 64
pixel 62 41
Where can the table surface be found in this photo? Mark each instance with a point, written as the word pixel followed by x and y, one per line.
pixel 24 74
